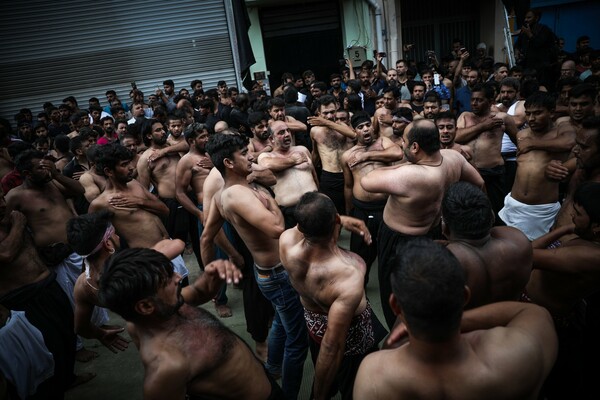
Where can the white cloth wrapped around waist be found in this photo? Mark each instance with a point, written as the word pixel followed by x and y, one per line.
pixel 534 220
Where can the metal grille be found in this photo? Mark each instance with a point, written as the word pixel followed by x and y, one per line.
pixel 82 48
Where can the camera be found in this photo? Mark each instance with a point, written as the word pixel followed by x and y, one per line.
pixel 133 85
pixel 382 54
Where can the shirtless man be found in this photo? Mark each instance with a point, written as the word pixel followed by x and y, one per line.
pixel 587 158
pixel 276 108
pixel 184 349
pixel 415 190
pixel 192 170
pixel 129 141
pixel 482 131
pixel 160 172
pixel 330 282
pixel 258 311
pixel 260 141
pixel 369 153
pixel 401 118
pixel 255 215
pixel 93 183
pixel 293 169
pixel 446 124
pixel 330 140
pixel 175 135
pixel 582 100
pixel 43 199
pixel 382 119
pixel 449 358
pixel 532 204
pixel 27 285
pixel 497 261
pixel 136 211
pixel 563 275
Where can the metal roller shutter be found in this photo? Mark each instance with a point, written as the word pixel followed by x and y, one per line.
pixel 51 50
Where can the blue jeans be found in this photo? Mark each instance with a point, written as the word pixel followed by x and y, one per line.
pixel 288 337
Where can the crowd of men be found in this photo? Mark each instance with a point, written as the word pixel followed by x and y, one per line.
pixel 475 187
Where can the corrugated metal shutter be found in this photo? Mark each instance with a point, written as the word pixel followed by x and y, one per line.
pixel 51 50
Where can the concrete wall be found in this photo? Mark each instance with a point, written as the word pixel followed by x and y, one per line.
pixel 358 25
pixel 256 41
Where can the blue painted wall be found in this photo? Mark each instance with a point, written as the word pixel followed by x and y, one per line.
pixel 570 19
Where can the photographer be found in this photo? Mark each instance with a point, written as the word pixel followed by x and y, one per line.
pixel 536 47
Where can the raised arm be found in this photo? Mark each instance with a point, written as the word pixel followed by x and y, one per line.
pixel 341 128
pixel 89 186
pixel 68 187
pixel 294 125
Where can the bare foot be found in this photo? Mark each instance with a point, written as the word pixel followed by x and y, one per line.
pixel 81 379
pixel 223 310
pixel 85 355
pixel 260 348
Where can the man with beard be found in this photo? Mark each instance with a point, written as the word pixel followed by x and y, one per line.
pixel 255 215
pixel 330 140
pixel 43 199
pixel 446 124
pixel 336 90
pixel 260 141
pixel 587 159
pixel 401 117
pixel 582 100
pixel 108 125
pixel 276 109
pixel 462 98
pixel 157 167
pixel 191 172
pixel 27 285
pixel 482 130
pixel 564 273
pixel 371 152
pixel 168 96
pixel 415 191
pixel 141 286
pixel 136 211
pixel 416 102
pixel 293 168
pixel 532 204
pixel 382 120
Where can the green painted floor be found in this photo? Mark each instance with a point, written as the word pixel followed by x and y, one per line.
pixel 120 376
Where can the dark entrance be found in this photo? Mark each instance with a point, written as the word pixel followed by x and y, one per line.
pixel 300 37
